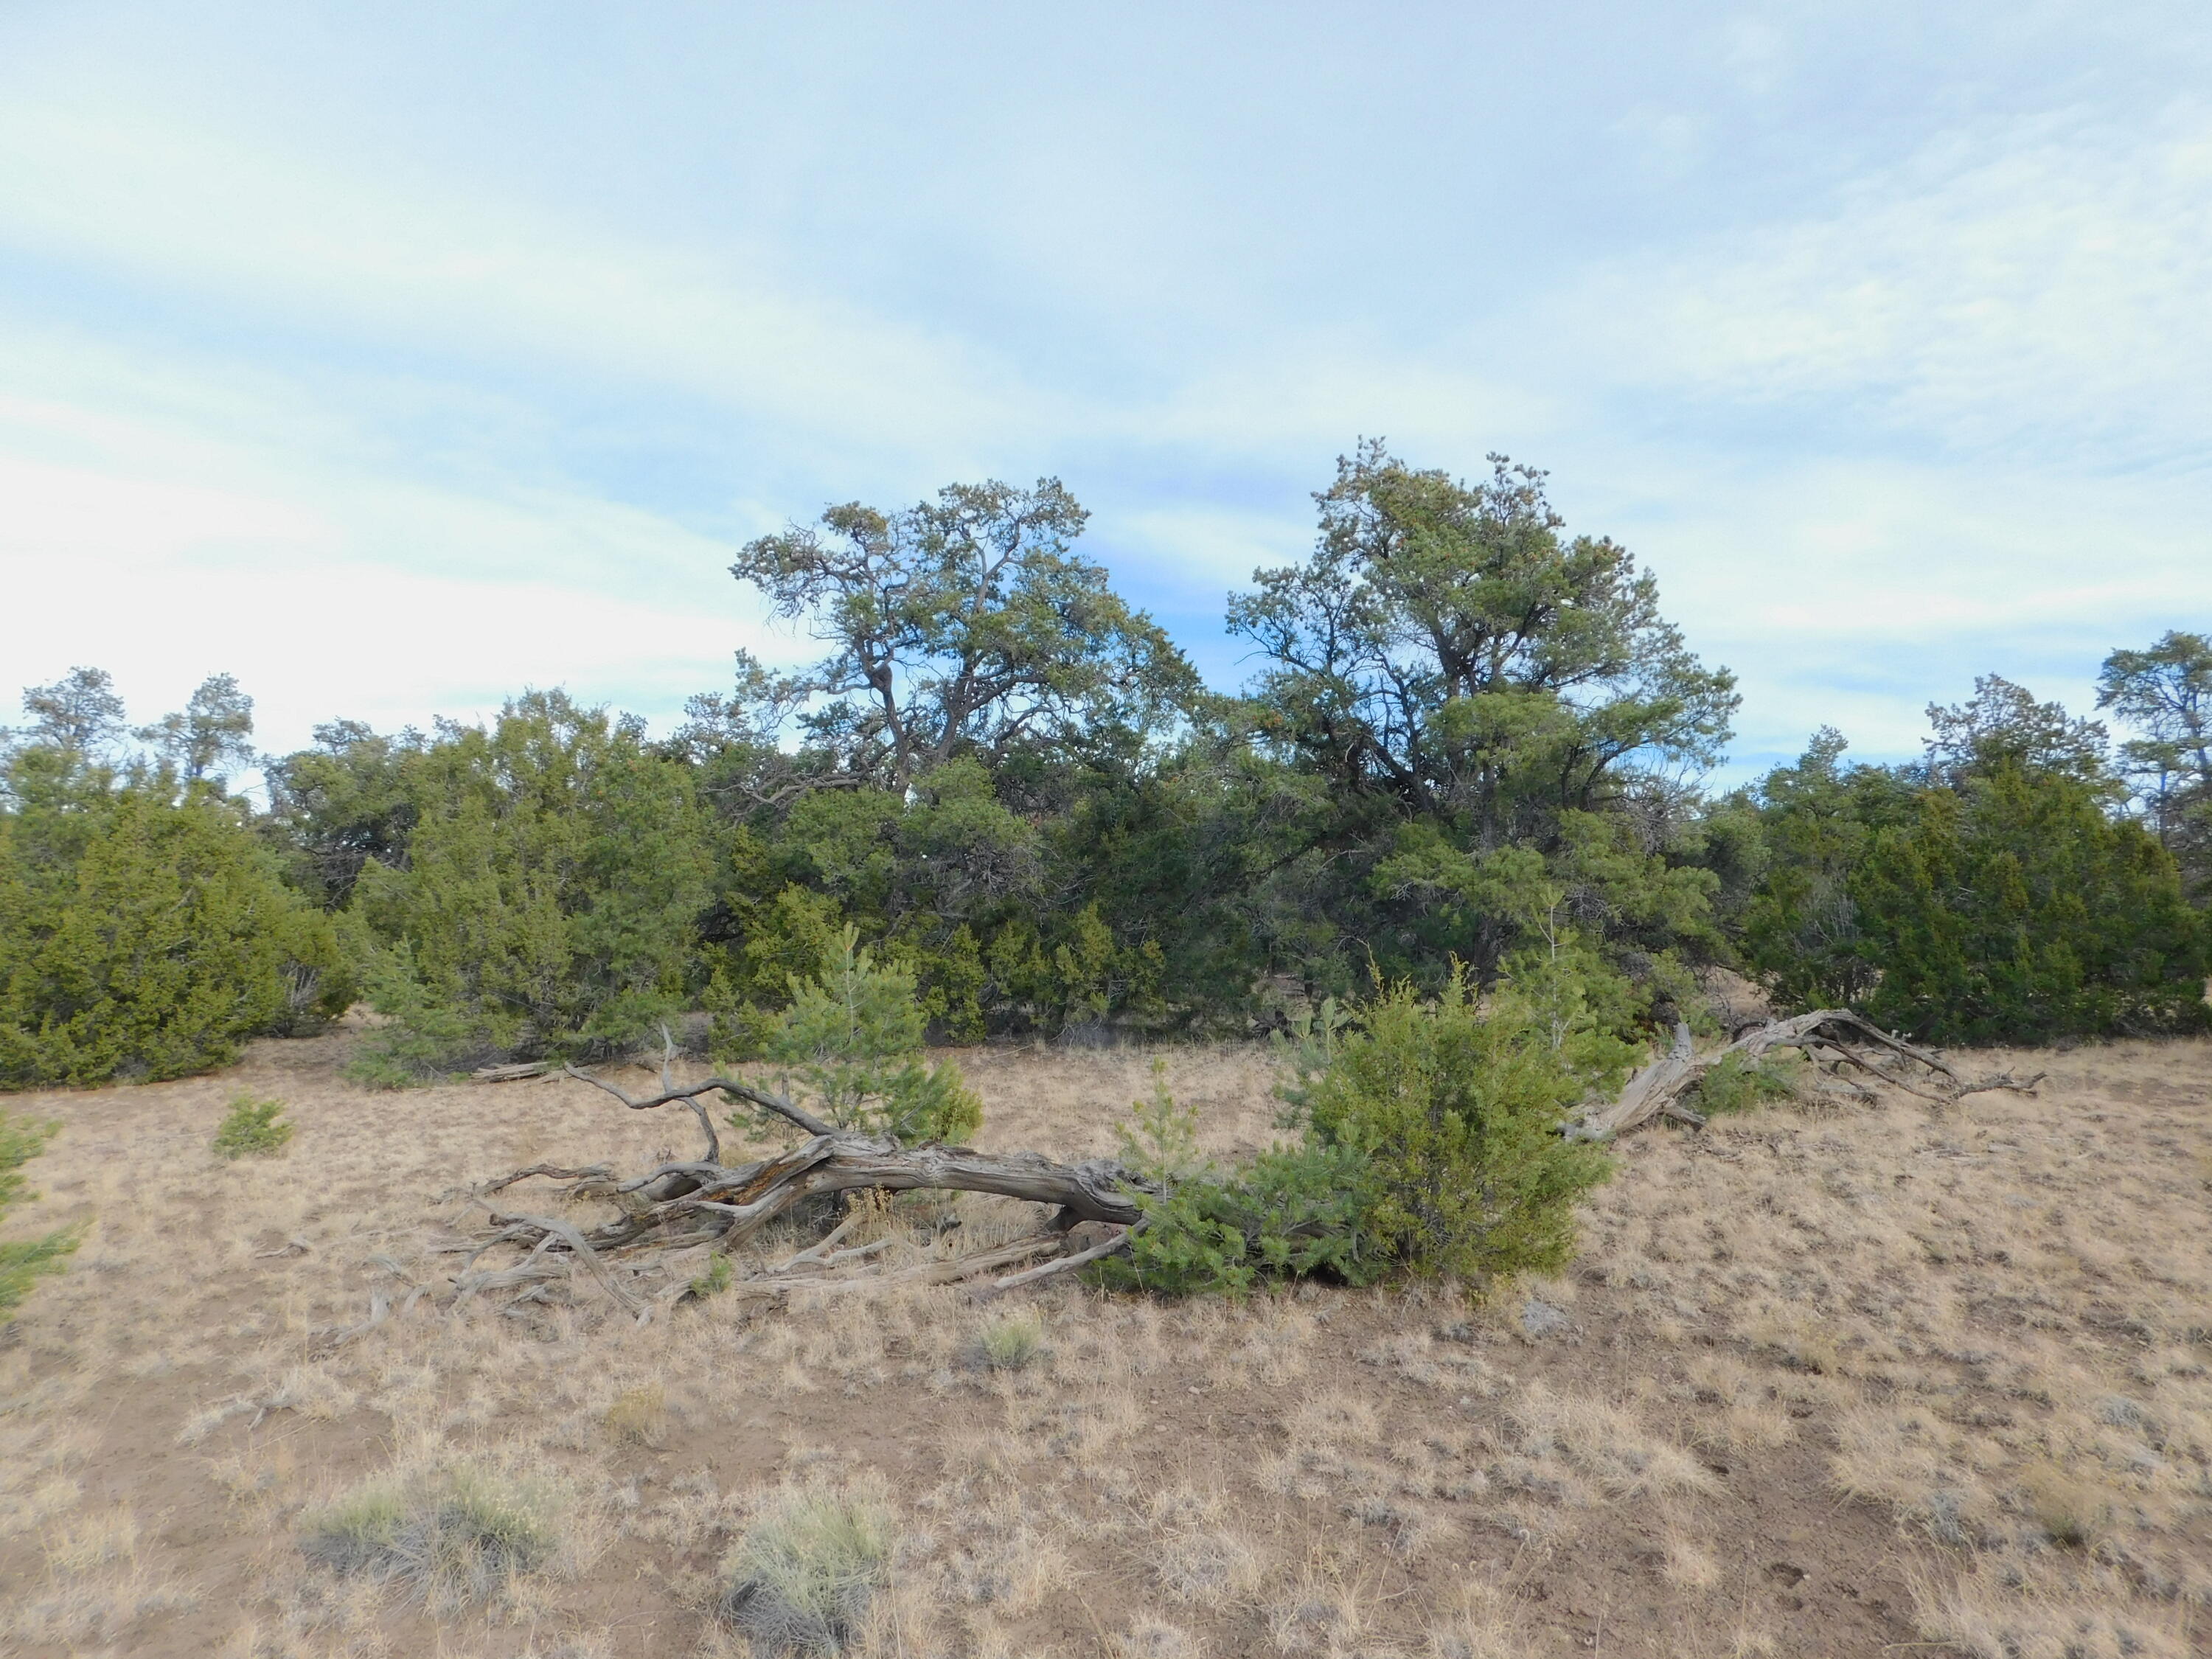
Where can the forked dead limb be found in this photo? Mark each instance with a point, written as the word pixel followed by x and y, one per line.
pixel 1836 1034
pixel 672 1210
pixel 689 1096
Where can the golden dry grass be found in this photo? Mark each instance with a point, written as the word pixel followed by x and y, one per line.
pixel 1820 1382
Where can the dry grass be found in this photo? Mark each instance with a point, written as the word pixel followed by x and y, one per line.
pixel 1821 1382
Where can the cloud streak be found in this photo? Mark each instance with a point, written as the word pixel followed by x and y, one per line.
pixel 1896 374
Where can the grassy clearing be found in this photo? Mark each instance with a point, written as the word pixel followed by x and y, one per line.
pixel 1970 1353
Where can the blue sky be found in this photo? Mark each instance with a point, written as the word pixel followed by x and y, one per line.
pixel 394 357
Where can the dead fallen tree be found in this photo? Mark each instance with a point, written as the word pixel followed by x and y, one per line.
pixel 1848 1048
pixel 697 1209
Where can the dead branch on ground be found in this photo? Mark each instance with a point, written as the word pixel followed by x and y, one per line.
pixel 1836 1036
pixel 705 1208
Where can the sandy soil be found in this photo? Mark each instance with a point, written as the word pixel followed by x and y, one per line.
pixel 1885 1379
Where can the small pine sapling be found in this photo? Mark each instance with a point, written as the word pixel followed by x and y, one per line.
pixel 853 1041
pixel 1296 1210
pixel 253 1128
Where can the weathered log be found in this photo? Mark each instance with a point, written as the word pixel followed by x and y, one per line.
pixel 518 1071
pixel 679 1206
pixel 1658 1089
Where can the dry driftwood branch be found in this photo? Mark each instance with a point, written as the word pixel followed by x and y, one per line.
pixel 679 1206
pixel 689 1096
pixel 518 1072
pixel 1837 1035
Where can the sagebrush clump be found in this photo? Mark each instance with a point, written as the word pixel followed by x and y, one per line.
pixel 803 1574
pixel 452 1533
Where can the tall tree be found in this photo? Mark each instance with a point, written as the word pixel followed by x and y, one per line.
pixel 1491 704
pixel 962 626
pixel 2003 722
pixel 80 713
pixel 213 733
pixel 2165 693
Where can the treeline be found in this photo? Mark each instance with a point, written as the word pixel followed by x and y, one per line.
pixel 1471 740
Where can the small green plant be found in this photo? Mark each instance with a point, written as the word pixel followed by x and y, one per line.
pixel 253 1128
pixel 1735 1083
pixel 1453 1103
pixel 719 1277
pixel 852 1041
pixel 802 1576
pixel 453 1533
pixel 1012 1342
pixel 24 1261
pixel 1296 1210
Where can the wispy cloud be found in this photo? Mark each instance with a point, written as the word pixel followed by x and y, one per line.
pixel 1883 341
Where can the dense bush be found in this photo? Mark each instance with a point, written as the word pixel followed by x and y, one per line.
pixel 1993 893
pixel 549 899
pixel 2017 910
pixel 1454 1104
pixel 144 930
pixel 1430 1146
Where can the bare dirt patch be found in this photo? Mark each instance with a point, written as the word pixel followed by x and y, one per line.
pixel 1819 1384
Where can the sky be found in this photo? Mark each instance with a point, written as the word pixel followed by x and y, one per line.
pixel 396 357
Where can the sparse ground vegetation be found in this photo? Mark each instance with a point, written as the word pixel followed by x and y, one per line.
pixel 1821 1378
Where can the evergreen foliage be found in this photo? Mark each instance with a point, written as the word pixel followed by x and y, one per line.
pixel 144 930
pixel 1001 803
pixel 1490 710
pixel 1296 1210
pixel 2165 693
pixel 550 898
pixel 852 1040
pixel 1992 894
pixel 2016 910
pixel 1453 1105
pixel 253 1128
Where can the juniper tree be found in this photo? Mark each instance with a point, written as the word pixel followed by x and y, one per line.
pixel 1492 709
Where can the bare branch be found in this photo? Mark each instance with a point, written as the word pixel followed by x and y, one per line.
pixel 689 1095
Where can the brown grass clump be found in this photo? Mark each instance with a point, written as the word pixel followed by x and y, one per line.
pixel 1821 1380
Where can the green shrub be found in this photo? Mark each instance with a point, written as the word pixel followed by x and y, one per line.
pixel 253 1128
pixel 801 1577
pixel 1455 1107
pixel 24 1261
pixel 144 933
pixel 1295 1211
pixel 555 873
pixel 453 1534
pixel 1735 1084
pixel 719 1277
pixel 2015 909
pixel 852 1042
